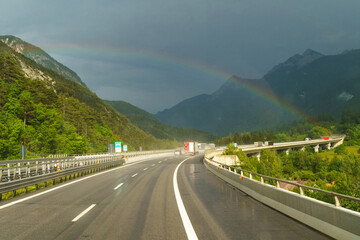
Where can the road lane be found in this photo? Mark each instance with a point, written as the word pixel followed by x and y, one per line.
pixel 219 211
pixel 143 207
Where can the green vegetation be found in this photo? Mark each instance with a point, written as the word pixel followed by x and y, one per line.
pixel 151 125
pixel 51 114
pixel 339 174
pixel 337 170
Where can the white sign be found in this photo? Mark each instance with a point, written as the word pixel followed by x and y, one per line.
pixel 125 148
pixel 191 147
pixel 117 146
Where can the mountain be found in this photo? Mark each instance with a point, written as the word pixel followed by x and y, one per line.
pixel 49 113
pixel 39 56
pixel 311 82
pixel 238 105
pixel 148 123
pixel 297 61
pixel 328 84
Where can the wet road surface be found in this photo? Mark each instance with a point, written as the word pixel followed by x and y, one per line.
pixel 138 202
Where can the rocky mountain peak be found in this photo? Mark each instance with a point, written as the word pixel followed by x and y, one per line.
pixel 15 43
pixel 297 61
pixel 39 56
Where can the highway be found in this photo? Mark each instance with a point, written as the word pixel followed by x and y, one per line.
pixel 137 201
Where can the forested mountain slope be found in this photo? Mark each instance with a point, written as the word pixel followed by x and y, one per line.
pixel 151 125
pixel 303 87
pixel 51 114
pixel 236 106
pixel 326 85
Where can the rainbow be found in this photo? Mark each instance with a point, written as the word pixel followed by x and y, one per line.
pixel 190 64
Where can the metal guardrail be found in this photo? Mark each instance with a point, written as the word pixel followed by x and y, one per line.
pixel 17 174
pixel 25 183
pixel 19 169
pixel 336 196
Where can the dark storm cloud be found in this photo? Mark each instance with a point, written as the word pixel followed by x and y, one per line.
pixel 242 37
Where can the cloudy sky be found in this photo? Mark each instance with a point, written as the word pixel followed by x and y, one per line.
pixel 156 53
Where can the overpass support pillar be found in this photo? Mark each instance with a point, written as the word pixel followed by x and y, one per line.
pixel 328 146
pixel 302 149
pixel 316 148
pixel 287 151
pixel 258 155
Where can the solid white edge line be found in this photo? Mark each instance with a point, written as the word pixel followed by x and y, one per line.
pixel 189 229
pixel 118 186
pixel 66 184
pixel 145 169
pixel 83 213
pixel 134 175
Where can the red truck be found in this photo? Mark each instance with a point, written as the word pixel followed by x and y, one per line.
pixel 325 137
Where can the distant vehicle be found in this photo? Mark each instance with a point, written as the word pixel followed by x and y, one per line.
pixel 307 139
pixel 177 152
pixel 325 137
pixel 191 148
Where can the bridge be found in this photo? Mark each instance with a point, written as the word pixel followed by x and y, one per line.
pixel 152 196
pixel 256 148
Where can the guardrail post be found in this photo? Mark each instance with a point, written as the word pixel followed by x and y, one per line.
pixel 36 168
pixel 1 173
pixel 337 201
pixel 250 176
pixel 8 174
pixel 261 179
pixel 235 170
pixel 277 184
pixel 301 190
pixel 28 169
pixel 242 173
pixel 19 170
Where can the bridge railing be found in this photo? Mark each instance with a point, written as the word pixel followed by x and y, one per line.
pixel 277 181
pixel 331 219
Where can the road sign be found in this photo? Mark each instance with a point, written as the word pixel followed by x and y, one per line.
pixel 22 152
pixel 140 149
pixel 125 148
pixel 111 148
pixel 117 146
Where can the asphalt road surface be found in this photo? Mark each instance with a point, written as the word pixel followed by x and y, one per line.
pixel 138 201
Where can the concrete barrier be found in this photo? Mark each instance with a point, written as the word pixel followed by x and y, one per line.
pixel 337 222
pixel 148 157
pixel 230 160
